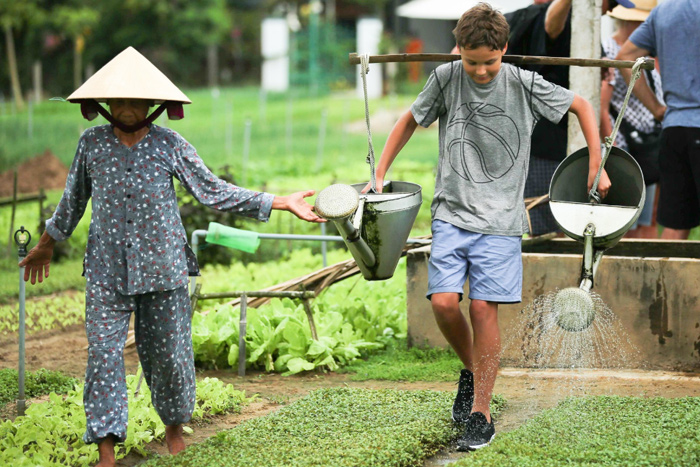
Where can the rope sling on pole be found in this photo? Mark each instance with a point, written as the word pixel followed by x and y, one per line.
pixel 593 195
pixel 364 69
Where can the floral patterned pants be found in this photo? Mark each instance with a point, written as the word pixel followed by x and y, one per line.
pixel 164 343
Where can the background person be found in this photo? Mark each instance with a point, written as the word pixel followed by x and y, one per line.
pixel 639 132
pixel 137 258
pixel 670 34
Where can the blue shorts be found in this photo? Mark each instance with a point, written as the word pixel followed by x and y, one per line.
pixel 493 264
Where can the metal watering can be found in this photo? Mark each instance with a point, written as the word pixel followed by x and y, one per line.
pixel 374 226
pixel 598 225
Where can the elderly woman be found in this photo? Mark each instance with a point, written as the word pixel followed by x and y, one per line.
pixel 137 257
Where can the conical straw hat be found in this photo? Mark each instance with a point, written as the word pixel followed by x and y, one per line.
pixel 129 75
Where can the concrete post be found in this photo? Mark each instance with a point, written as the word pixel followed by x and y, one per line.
pixel 275 52
pixel 369 34
pixel 585 43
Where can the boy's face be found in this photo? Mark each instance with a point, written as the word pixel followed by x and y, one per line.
pixel 482 64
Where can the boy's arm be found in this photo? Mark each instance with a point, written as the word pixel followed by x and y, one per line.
pixel 399 136
pixel 586 118
pixel 641 90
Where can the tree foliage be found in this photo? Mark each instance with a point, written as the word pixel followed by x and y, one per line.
pixel 69 37
pixel 14 15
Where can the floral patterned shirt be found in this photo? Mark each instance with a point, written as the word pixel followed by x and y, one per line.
pixel 136 242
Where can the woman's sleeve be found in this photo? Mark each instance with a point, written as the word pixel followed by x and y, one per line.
pixel 75 197
pixel 214 192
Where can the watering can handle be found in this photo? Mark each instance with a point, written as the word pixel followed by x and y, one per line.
pixel 593 195
pixel 364 69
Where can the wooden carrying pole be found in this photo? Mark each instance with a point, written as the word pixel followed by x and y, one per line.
pixel 514 59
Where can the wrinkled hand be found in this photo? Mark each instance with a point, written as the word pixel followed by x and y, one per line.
pixel 604 183
pixel 296 204
pixel 37 263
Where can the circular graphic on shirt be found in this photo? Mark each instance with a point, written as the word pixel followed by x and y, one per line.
pixel 487 145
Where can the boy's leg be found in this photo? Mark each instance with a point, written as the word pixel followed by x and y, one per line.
pixel 487 352
pixel 455 328
pixel 495 276
pixel 447 272
pixel 164 343
pixel 107 316
pixel 453 325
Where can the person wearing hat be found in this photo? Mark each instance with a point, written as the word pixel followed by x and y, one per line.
pixel 137 258
pixel 670 33
pixel 638 133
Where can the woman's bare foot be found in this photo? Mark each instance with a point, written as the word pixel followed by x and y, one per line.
pixel 174 439
pixel 106 450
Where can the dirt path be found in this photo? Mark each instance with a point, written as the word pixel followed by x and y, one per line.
pixel 528 392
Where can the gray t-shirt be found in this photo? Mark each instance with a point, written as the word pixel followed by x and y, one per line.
pixel 485 134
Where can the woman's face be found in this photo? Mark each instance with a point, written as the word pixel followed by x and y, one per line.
pixel 128 111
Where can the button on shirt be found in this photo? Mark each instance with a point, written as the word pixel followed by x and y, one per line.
pixel 136 242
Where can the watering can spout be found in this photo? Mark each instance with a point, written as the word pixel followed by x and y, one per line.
pixel 356 244
pixel 374 226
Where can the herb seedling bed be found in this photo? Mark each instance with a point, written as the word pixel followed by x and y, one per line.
pixel 339 427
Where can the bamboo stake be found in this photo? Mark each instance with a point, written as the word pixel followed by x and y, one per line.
pixel 354 59
pixel 14 208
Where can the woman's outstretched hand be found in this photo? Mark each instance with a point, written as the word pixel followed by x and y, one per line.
pixel 297 205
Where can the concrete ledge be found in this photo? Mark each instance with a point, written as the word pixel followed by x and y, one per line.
pixel 657 300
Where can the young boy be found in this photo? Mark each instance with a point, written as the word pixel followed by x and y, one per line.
pixel 487 111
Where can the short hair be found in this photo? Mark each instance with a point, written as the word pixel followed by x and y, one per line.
pixel 480 26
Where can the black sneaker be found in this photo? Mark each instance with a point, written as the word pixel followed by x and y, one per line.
pixel 462 406
pixel 477 434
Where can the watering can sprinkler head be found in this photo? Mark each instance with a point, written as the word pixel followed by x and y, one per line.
pixel 573 309
pixel 339 203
